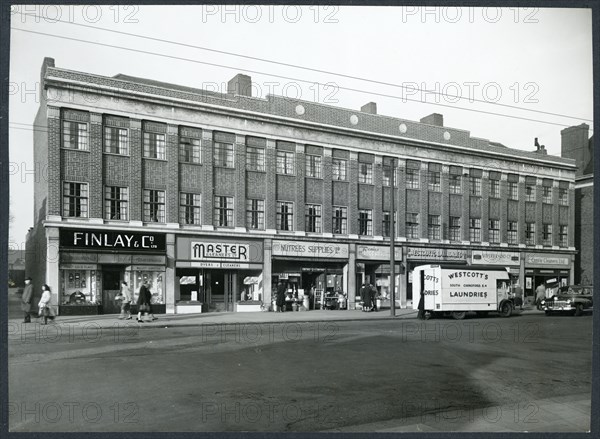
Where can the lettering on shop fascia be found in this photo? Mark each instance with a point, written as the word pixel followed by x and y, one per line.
pixel 111 240
pixel 205 251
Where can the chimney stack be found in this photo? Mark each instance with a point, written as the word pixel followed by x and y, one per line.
pixel 575 144
pixel 370 108
pixel 241 85
pixel 434 119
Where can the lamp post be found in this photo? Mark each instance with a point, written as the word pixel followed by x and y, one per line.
pixel 392 242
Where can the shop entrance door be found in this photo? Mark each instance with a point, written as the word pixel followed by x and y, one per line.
pixel 222 290
pixel 111 286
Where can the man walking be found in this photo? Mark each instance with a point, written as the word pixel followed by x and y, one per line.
pixel 26 300
pixel 366 298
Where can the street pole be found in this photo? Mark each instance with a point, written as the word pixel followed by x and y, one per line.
pixel 392 246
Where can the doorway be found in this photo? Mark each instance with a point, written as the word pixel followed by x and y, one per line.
pixel 221 289
pixel 111 286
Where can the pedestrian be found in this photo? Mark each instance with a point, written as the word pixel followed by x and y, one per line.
pixel 44 310
pixel 518 295
pixel 143 301
pixel 125 301
pixel 421 307
pixel 366 298
pixel 26 300
pixel 540 294
pixel 280 303
pixel 373 297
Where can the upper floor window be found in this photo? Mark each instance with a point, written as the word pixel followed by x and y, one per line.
pixel 530 233
pixel 365 173
pixel 547 194
pixel 512 235
pixel 255 214
pixel 313 166
pixel 285 162
pixel 475 229
pixel 154 145
pixel 563 198
pixel 529 191
pixel 285 215
pixel 189 208
pixel 116 140
pixel 433 227
pixel 255 159
pixel 494 189
pixel 387 176
pixel 454 229
pixel 412 178
pixel 513 193
pixel 412 225
pixel 75 199
pixel 75 135
pixel 223 213
pixel 386 223
pixel 563 236
pixel 154 206
pixel 116 203
pixel 189 150
pixel 338 167
pixel 494 231
pixel 340 220
pixel 223 154
pixel 313 218
pixel 434 180
pixel 454 184
pixel 475 186
pixel 547 234
pixel 365 222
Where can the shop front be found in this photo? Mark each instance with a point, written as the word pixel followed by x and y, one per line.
pixel 373 267
pixel 93 263
pixel 314 273
pixel 509 260
pixel 416 256
pixel 214 274
pixel 548 269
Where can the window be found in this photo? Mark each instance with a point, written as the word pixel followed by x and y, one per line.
pixel 189 208
pixel 547 234
pixel 116 203
pixel 223 211
pixel 285 162
pixel 494 231
pixel 255 214
pixel 454 184
pixel 365 222
pixel 338 169
pixel 547 194
pixel 455 228
pixel 387 176
pixel 530 233
pixel 75 199
pixel 75 135
pixel 365 173
pixel 255 159
pixel 313 218
pixel 116 140
pixel 285 215
pixel 223 154
pixel 433 227
pixel 189 150
pixel 434 180
pixel 154 206
pixel 513 237
pixel 475 229
pixel 313 166
pixel 513 192
pixel 412 225
pixel 412 178
pixel 154 145
pixel 386 225
pixel 563 236
pixel 340 220
pixel 529 192
pixel 494 189
pixel 563 198
pixel 475 186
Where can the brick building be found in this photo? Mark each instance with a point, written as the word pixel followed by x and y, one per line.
pixel 578 145
pixel 214 197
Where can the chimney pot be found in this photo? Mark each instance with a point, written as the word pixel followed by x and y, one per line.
pixel 241 85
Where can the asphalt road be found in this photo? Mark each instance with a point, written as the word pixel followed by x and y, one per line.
pixel 342 376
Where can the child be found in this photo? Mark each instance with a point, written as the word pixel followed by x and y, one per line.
pixel 44 304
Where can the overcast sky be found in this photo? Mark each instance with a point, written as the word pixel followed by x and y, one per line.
pixel 534 59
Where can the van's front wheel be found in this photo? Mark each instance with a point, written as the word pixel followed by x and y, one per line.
pixel 506 309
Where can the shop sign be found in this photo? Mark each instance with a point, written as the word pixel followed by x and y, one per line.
pixel 377 252
pixel 114 258
pixel 78 266
pixel 111 240
pixel 223 265
pixel 149 259
pixel 220 251
pixel 496 258
pixel 308 249
pixel 436 254
pixel 147 268
pixel 78 257
pixel 545 260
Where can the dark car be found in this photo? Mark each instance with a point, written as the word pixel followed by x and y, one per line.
pixel 574 301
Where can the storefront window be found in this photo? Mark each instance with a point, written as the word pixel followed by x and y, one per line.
pixel 78 287
pixel 155 281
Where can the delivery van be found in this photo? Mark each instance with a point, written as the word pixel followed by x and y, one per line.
pixel 454 290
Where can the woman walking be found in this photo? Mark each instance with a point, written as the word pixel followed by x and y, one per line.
pixel 44 305
pixel 143 301
pixel 125 301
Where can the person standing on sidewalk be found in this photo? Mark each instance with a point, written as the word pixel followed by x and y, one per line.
pixel 421 307
pixel 540 293
pixel 280 303
pixel 44 305
pixel 143 301
pixel 125 301
pixel 373 297
pixel 26 300
pixel 365 296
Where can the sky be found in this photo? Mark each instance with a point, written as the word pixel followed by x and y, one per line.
pixel 504 74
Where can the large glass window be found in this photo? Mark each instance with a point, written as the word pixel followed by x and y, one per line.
pixel 475 229
pixel 223 211
pixel 365 222
pixel 412 225
pixel 365 173
pixel 285 215
pixel 154 145
pixel 116 203
pixel 340 220
pixel 223 154
pixel 116 140
pixel 255 159
pixel 189 208
pixel 313 218
pixel 285 162
pixel 338 169
pixel 75 199
pixel 313 166
pixel 75 135
pixel 189 150
pixel 154 206
pixel 78 287
pixel 255 214
pixel 433 227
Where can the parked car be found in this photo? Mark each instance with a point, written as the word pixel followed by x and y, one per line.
pixel 575 300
